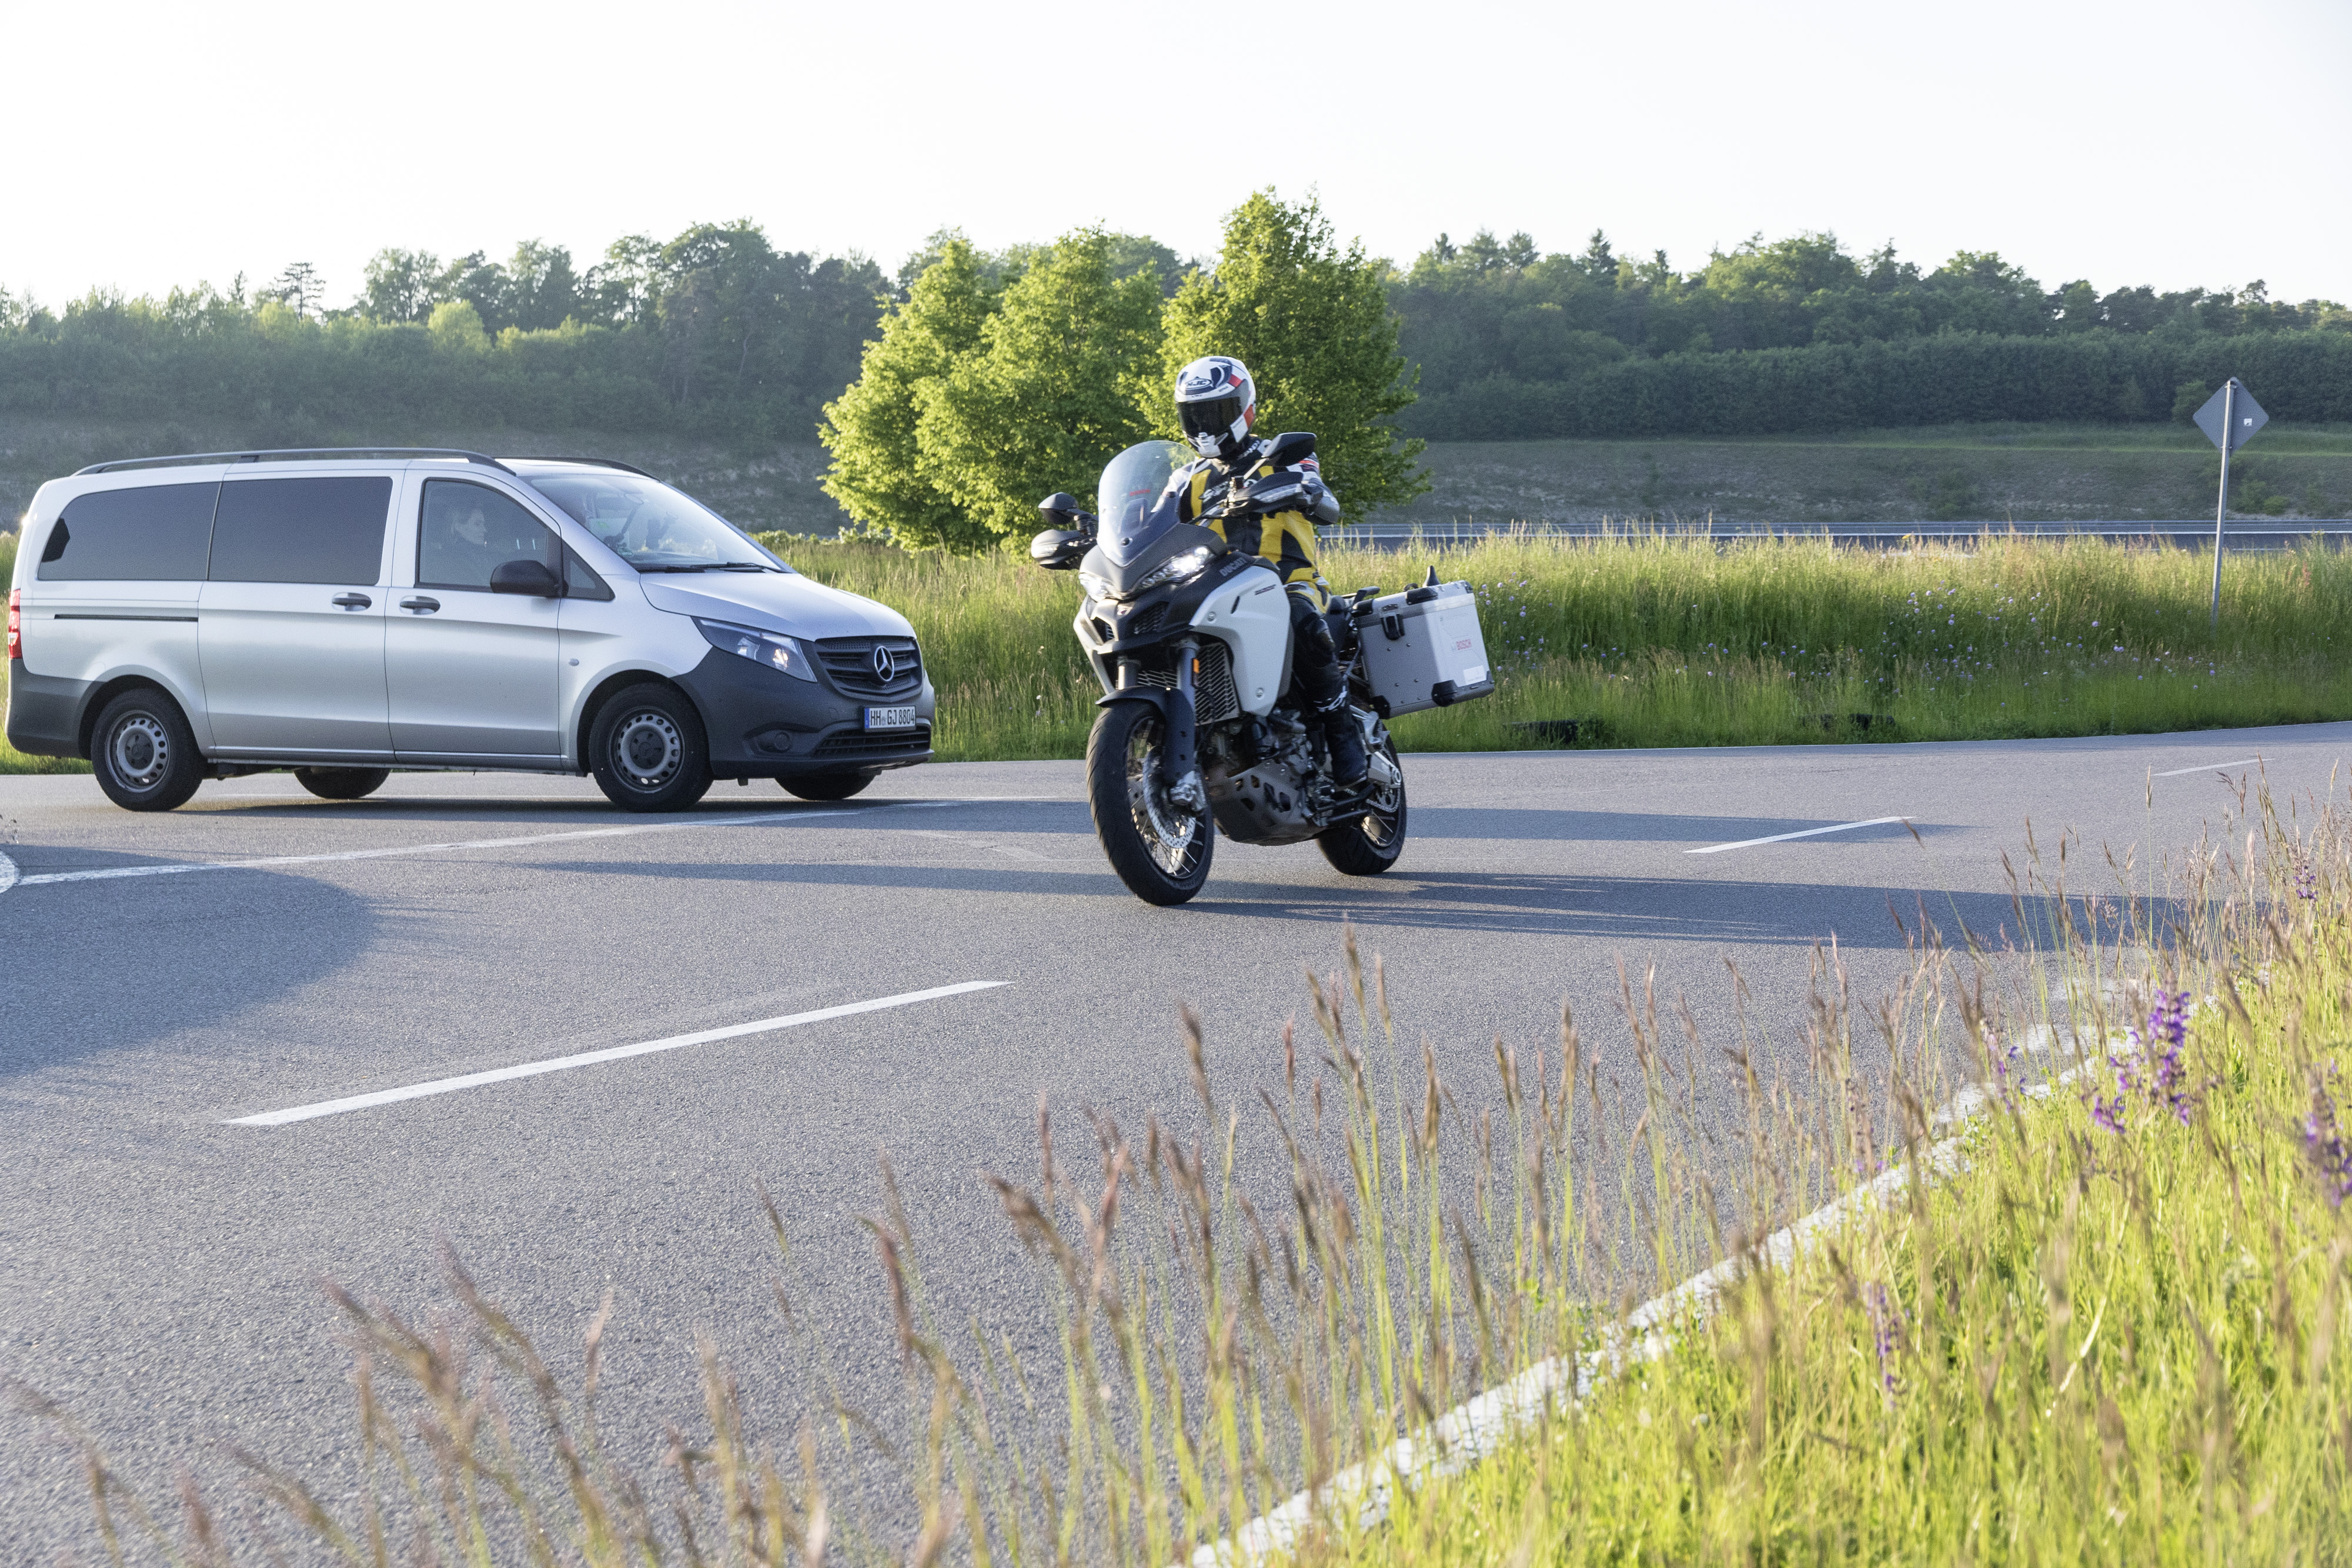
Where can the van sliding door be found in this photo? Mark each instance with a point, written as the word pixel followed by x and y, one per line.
pixel 291 628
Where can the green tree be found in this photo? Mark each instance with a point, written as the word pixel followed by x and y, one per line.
pixel 878 474
pixel 1054 392
pixel 1312 322
pixel 400 285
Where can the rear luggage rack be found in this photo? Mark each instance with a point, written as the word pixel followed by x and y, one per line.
pixel 295 452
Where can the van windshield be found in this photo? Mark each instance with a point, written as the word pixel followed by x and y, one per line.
pixel 649 525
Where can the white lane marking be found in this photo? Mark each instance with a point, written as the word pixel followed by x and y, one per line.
pixel 2210 767
pixel 1800 833
pixel 782 814
pixel 591 1058
pixel 7 873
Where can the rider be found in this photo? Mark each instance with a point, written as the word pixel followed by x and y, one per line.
pixel 1216 402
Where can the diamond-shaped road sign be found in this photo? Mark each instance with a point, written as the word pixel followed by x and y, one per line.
pixel 2245 415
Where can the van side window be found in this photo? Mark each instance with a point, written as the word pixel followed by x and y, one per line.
pixel 301 530
pixel 471 530
pixel 149 533
pixel 580 579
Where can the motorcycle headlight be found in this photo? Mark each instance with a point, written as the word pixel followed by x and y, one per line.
pixel 1096 587
pixel 1177 568
pixel 773 649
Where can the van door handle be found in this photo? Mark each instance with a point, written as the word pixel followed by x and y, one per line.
pixel 421 604
pixel 352 600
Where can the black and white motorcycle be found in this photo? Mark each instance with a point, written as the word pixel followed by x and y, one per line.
pixel 1198 729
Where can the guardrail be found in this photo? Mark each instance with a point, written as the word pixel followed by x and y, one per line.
pixel 2187 533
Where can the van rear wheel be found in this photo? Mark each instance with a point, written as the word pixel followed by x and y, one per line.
pixel 341 783
pixel 1368 843
pixel 144 752
pixel 827 786
pixel 647 751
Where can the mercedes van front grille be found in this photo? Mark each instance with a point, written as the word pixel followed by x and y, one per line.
pixel 856 667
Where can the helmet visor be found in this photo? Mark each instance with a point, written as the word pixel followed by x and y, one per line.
pixel 1213 417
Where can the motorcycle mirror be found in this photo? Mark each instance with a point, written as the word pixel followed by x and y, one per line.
pixel 1060 549
pixel 1060 511
pixel 1290 446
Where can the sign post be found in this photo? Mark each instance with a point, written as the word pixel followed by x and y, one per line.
pixel 2229 419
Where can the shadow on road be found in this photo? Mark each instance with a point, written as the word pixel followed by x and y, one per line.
pixel 1494 903
pixel 156 956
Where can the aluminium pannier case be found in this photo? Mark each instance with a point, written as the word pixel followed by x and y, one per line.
pixel 1422 649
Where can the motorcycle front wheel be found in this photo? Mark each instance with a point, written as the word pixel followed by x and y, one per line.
pixel 1158 849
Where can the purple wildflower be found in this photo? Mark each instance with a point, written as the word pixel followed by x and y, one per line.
pixel 2109 1115
pixel 1886 1324
pixel 2323 1141
pixel 2151 1068
pixel 2168 1029
pixel 2306 880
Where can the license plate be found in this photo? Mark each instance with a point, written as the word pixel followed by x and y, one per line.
pixel 890 718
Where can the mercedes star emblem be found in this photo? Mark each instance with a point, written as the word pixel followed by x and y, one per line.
pixel 884 668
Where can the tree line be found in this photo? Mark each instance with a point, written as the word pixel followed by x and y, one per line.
pixel 713 332
pixel 948 389
pixel 1512 343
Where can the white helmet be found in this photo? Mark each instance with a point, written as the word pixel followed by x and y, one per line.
pixel 1217 403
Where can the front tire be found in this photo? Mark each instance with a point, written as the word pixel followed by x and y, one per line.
pixel 144 752
pixel 1370 842
pixel 1161 852
pixel 647 751
pixel 827 786
pixel 341 783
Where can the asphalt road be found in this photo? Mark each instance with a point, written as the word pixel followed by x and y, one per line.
pixel 160 1253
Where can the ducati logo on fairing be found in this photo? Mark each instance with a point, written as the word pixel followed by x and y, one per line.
pixel 885 668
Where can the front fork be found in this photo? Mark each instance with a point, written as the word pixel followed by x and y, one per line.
pixel 1180 768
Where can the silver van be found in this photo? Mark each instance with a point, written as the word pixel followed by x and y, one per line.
pixel 344 613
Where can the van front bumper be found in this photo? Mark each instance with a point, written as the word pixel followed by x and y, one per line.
pixel 45 712
pixel 763 724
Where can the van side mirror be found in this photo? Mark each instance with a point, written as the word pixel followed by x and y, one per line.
pixel 1289 447
pixel 526 576
pixel 1060 549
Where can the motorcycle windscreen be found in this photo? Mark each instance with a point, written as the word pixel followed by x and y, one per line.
pixel 1126 500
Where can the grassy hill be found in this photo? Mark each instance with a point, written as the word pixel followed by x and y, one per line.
pixel 1975 473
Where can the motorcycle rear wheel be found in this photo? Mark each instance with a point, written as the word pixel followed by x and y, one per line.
pixel 1161 852
pixel 1368 844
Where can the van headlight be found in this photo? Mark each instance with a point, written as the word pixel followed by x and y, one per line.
pixel 1177 568
pixel 773 649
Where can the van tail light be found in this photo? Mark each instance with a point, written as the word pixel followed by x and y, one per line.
pixel 16 622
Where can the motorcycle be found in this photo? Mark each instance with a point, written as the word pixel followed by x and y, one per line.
pixel 1200 731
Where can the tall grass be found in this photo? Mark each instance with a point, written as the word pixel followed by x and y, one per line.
pixel 2100 1326
pixel 1663 639
pixel 1675 640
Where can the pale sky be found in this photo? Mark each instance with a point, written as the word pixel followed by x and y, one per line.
pixel 2154 142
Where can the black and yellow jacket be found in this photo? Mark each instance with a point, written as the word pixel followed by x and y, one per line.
pixel 1286 538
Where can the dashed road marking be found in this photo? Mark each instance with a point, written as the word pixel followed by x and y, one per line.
pixel 177 868
pixel 2210 767
pixel 1800 833
pixel 592 1058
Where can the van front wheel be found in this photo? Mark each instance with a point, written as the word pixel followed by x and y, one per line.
pixel 647 751
pixel 144 752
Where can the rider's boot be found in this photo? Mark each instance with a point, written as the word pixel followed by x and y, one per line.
pixel 1344 734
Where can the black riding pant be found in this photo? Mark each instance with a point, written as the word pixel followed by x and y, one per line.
pixel 1314 662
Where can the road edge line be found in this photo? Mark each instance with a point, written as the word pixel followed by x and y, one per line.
pixel 1479 1426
